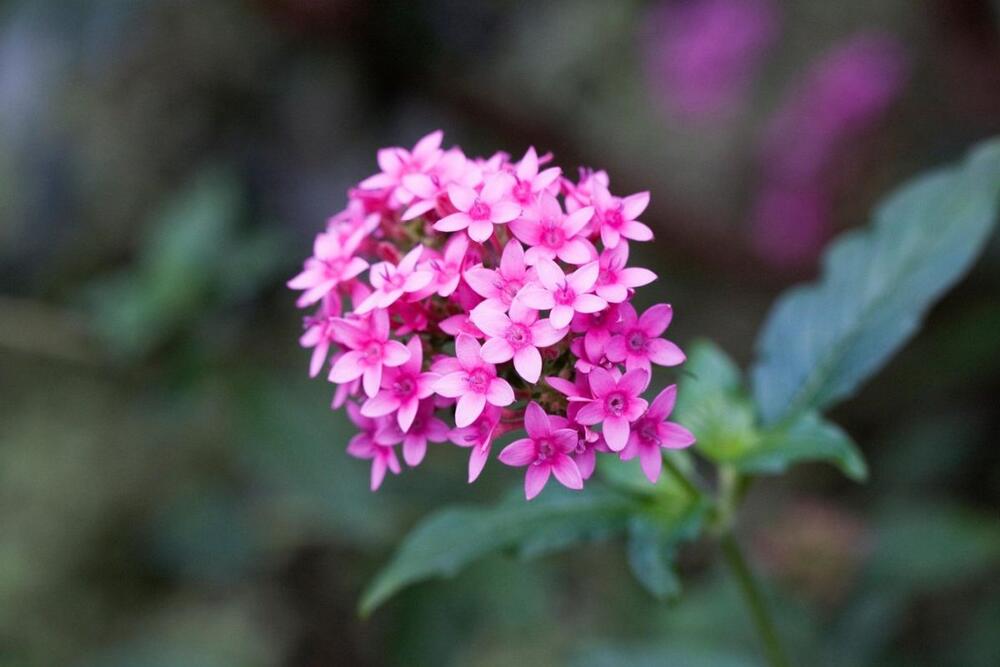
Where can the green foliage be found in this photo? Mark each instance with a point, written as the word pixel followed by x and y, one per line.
pixel 658 656
pixel 453 538
pixel 822 341
pixel 713 403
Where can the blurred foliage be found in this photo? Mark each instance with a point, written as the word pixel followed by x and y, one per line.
pixel 174 490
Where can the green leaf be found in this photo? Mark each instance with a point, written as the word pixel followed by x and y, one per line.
pixel 445 542
pixel 822 341
pixel 713 404
pixel 641 655
pixel 810 438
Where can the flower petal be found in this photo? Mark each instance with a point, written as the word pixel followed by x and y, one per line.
pixel 499 393
pixel 566 471
pixel 528 363
pixel 664 352
pixel 497 351
pixel 536 422
pixel 470 406
pixel 656 319
pixel 519 453
pixel 534 480
pixel 651 459
pixel 616 432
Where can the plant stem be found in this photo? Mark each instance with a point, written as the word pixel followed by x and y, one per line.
pixel 678 474
pixel 754 599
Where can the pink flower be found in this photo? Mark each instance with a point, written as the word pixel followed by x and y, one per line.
pixel 319 333
pixel 475 384
pixel 615 279
pixel 430 190
pixel 561 294
pixel 402 389
pixel 615 404
pixel 363 446
pixel 478 213
pixel 397 162
pixel 597 329
pixel 479 436
pixel 638 342
pixel 500 286
pixel 370 350
pixel 392 282
pixel 528 182
pixel 617 216
pixel 651 432
pixel 332 263
pixel 448 269
pixel 424 427
pixel 516 336
pixel 550 233
pixel 545 451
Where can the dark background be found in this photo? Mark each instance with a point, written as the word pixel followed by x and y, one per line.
pixel 174 490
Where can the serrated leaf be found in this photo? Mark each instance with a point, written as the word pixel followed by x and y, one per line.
pixel 445 542
pixel 810 438
pixel 822 341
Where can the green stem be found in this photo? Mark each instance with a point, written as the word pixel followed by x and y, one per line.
pixel 754 599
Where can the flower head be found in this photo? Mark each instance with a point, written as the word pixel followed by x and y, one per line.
pixel 478 212
pixel 615 404
pixel 546 451
pixel 638 342
pixel 475 383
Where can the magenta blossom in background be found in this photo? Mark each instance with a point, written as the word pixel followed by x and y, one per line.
pixel 332 263
pixel 475 384
pixel 652 432
pixel 615 404
pixel 545 451
pixel 617 216
pixel 702 55
pixel 638 342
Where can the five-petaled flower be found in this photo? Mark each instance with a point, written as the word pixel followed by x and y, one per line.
pixel 546 451
pixel 652 431
pixel 615 403
pixel 475 383
pixel 478 212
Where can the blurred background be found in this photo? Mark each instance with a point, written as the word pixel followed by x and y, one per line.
pixel 174 490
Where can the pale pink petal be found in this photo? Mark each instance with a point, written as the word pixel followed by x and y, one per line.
pixel 477 460
pixel 394 354
pixel 675 436
pixel 613 293
pixel 567 472
pixel 512 260
pixel 495 188
pixel 602 382
pixel 453 222
pixel 651 459
pixel 428 144
pixel 480 230
pixel 616 431
pixel 589 303
pixel 519 453
pixel 491 321
pixel 635 276
pixel 462 197
pixel 535 478
pixel 536 296
pixel 527 230
pixel 414 450
pixel 584 278
pixel 378 472
pixel 586 461
pixel 563 386
pixel 417 280
pixel 545 178
pixel 577 251
pixel 318 358
pixel 616 350
pixel 418 209
pixel 577 220
pixel 499 393
pixel 407 412
pixel 504 211
pixel 527 168
pixel 470 406
pixel 347 368
pixel 482 281
pixel 665 353
pixel 656 319
pixel 306 279
pixel 391 460
pixel 313 295
pixel 452 385
pixel 528 363
pixel 591 413
pixel 636 231
pixel 380 404
pixel 609 236
pixel 561 315
pixel 661 406
pixel 371 379
pixel 467 351
pixel 420 185
pixel 634 205
pixel 389 160
pixel 497 351
pixel 550 275
pixel 543 334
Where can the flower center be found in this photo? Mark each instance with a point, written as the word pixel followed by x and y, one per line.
pixel 636 341
pixel 479 381
pixel 544 450
pixel 649 433
pixel 606 277
pixel 403 386
pixel 479 211
pixel 553 236
pixel 518 335
pixel 373 354
pixel 613 217
pixel 565 295
pixel 522 191
pixel 615 404
pixel 334 267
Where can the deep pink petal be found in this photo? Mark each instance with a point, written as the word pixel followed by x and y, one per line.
pixel 567 472
pixel 519 453
pixel 651 459
pixel 347 368
pixel 661 406
pixel 602 382
pixel 616 432
pixel 535 478
pixel 674 436
pixel 490 321
pixel 467 351
pixel 477 460
pixel 656 319
pixel 665 353
pixel 536 422
pixel 634 205
pixel 470 406
pixel 634 382
pixel 591 413
pixel 452 385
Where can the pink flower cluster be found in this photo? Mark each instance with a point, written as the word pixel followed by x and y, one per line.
pixel 497 298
